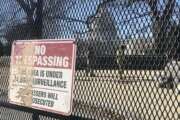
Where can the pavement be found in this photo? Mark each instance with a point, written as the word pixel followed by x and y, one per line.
pixel 106 96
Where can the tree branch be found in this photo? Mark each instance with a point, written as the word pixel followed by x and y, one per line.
pixel 168 9
pixel 69 19
pixel 101 5
pixel 153 5
pixel 33 4
pixel 62 11
pixel 14 14
pixel 70 6
pixel 23 5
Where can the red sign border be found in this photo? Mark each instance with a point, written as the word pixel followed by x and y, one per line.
pixel 73 71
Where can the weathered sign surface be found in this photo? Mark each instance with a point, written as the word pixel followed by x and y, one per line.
pixel 42 75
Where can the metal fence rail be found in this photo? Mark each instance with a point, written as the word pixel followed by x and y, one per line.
pixel 128 52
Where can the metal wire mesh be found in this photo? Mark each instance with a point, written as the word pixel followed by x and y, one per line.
pixel 127 65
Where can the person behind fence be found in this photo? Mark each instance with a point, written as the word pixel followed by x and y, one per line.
pixel 90 60
pixel 171 74
pixel 120 58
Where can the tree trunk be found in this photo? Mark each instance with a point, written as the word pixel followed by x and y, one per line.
pixel 161 24
pixel 38 23
pixel 35 24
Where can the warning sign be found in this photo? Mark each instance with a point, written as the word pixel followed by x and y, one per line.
pixel 41 75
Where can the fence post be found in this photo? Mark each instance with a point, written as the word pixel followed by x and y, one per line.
pixel 35 116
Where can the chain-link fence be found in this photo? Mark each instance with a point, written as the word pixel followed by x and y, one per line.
pixel 127 65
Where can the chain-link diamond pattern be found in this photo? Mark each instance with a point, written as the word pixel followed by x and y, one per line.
pixel 128 54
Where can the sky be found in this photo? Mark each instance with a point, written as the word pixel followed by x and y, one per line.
pixel 128 23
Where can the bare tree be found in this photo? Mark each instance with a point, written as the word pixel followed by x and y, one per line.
pixel 33 26
pixel 33 10
pixel 24 21
pixel 161 22
pixel 36 11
